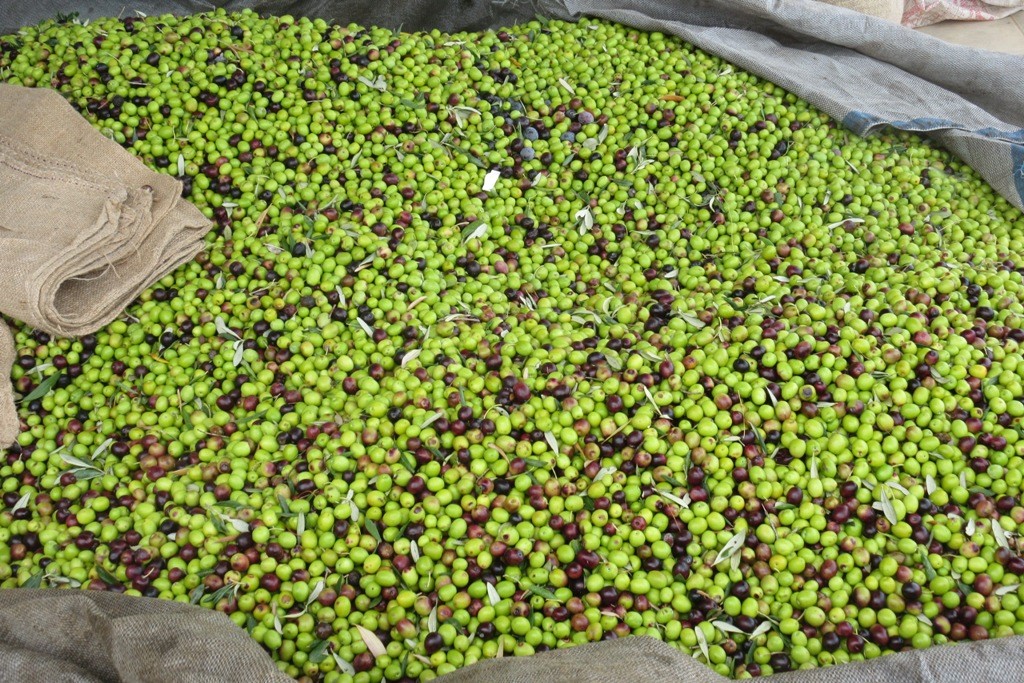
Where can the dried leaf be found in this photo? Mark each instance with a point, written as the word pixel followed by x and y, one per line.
pixel 814 468
pixel 491 179
pixel 414 550
pixel 277 622
pixel 970 528
pixel 565 84
pixel 236 358
pixel 731 547
pixel 300 526
pixel 492 595
pixel 924 619
pixel 762 628
pixel 929 484
pixel 181 164
pixel 604 471
pixel 1006 590
pixel 501 649
pixel 373 644
pixel 432 619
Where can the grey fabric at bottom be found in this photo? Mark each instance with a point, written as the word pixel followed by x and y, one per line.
pixel 70 636
pixel 646 659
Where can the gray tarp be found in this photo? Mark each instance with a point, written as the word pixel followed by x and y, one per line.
pixel 863 71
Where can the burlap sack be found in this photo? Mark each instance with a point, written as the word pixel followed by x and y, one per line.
pixel 647 659
pixel 8 414
pixel 84 226
pixel 87 637
pixel 66 636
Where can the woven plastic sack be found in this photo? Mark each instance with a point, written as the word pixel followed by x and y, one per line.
pixel 85 227
pixel 919 13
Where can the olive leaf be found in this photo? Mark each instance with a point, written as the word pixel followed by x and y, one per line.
pixel 702 641
pixel 929 484
pixel 21 503
pixel 181 164
pixel 814 468
pixel 373 644
pixel 923 618
pixel 693 320
pixel 318 652
pixel 541 591
pixel 223 329
pixel 885 506
pixel 1000 534
pixel 565 84
pixel 372 529
pixel 410 357
pixel 432 619
pixel 726 627
pixel 414 550
pixel 300 526
pixel 475 230
pixel 586 219
pixel 762 628
pixel 731 547
pixel 43 389
pixel 970 528
pixel 343 666
pixel 683 502
pixel 501 649
pixel 366 328
pixel 491 179
pixel 236 358
pixel 377 84
pixel 315 593
pixel 431 420
pixel 1006 590
pixel 551 441
pixel 106 577
pixel 492 595
pixel 605 471
pixel 929 570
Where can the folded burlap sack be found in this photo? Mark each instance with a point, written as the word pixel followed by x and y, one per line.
pixel 92 637
pixel 85 227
